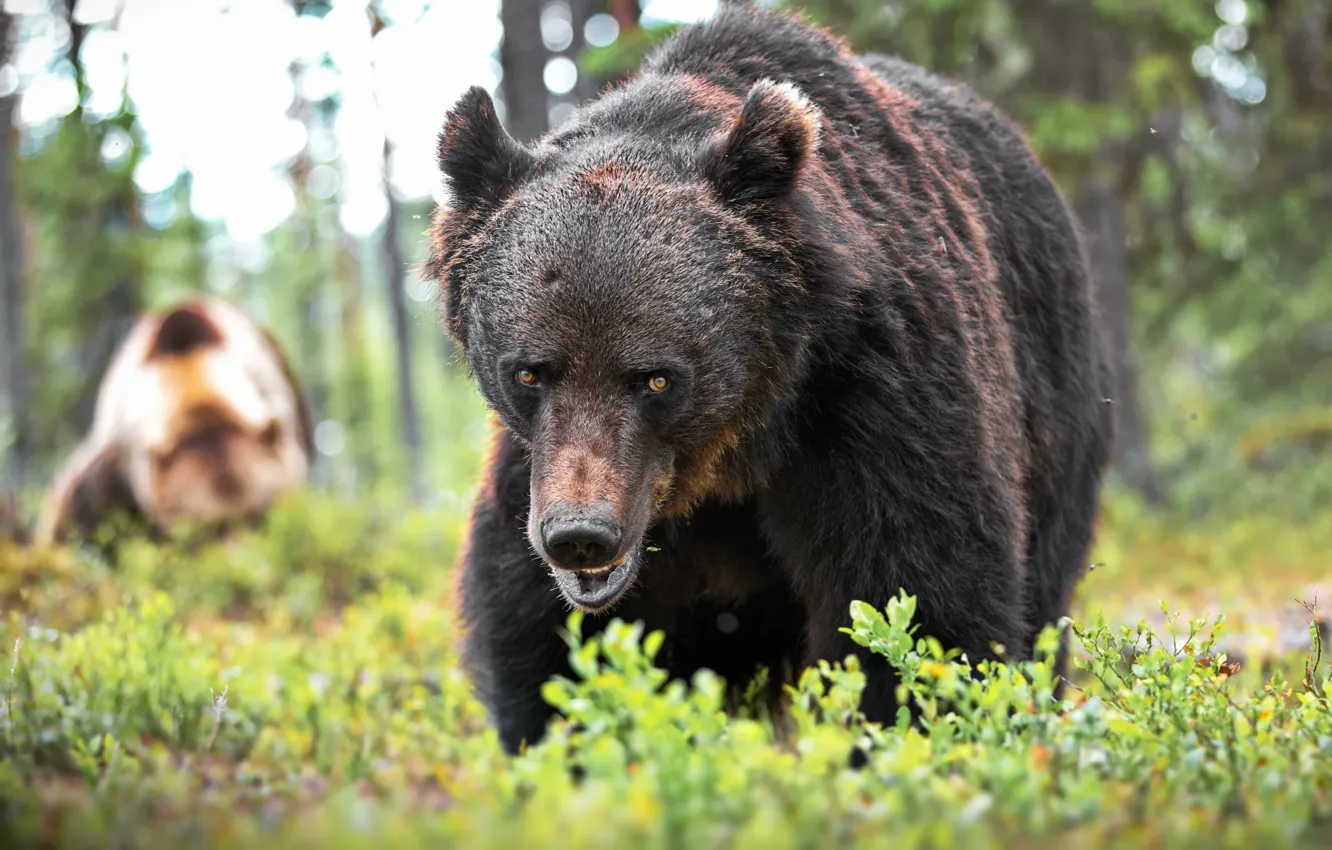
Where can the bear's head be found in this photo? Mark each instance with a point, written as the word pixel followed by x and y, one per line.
pixel 217 431
pixel 619 296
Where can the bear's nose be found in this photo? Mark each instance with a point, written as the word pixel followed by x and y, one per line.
pixel 581 543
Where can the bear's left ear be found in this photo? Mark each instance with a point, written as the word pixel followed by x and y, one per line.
pixel 477 156
pixel 482 164
pixel 758 157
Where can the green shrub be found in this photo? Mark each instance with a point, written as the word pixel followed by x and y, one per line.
pixel 146 727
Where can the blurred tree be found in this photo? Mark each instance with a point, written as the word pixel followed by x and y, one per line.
pixel 523 60
pixel 178 264
pixel 395 279
pixel 355 406
pixel 13 377
pixel 603 65
pixel 626 13
pixel 1281 192
pixel 563 26
pixel 88 252
pixel 307 283
pixel 1083 59
pixel 579 13
pixel 621 58
pixel 121 297
pixel 307 287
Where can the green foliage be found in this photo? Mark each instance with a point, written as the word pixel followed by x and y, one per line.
pixel 314 555
pixel 300 685
pixel 623 56
pixel 86 258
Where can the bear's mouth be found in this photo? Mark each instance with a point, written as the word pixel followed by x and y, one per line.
pixel 597 589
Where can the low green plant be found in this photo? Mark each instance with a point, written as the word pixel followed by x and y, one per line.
pixel 300 685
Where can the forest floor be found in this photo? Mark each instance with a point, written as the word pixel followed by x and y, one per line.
pixel 300 686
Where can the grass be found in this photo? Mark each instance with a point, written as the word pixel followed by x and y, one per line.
pixel 300 686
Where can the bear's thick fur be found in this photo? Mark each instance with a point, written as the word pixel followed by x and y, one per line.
pixel 769 328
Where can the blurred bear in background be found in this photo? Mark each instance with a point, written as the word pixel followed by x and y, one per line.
pixel 198 419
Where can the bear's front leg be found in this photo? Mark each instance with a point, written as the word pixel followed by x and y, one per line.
pixel 510 605
pixel 840 540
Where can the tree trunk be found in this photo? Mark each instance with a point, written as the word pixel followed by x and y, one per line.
pixel 1102 212
pixel 119 306
pixel 580 11
pixel 1083 59
pixel 523 59
pixel 360 463
pixel 13 375
pixel 395 278
pixel 310 279
pixel 626 13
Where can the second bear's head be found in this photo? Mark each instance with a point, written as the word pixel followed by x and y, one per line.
pixel 628 294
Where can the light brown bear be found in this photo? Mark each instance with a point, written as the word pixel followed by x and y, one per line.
pixel 199 419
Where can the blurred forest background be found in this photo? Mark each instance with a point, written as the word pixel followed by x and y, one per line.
pixel 280 154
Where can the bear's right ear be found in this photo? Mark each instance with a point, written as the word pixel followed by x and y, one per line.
pixel 477 156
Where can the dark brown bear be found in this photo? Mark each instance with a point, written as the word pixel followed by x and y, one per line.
pixel 770 328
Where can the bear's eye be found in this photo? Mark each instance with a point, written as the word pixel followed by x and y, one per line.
pixel 658 383
pixel 526 377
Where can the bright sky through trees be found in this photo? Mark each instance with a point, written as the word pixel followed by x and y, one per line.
pixel 211 83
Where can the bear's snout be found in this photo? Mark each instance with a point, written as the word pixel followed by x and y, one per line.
pixel 585 539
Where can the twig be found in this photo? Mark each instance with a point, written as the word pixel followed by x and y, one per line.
pixel 219 708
